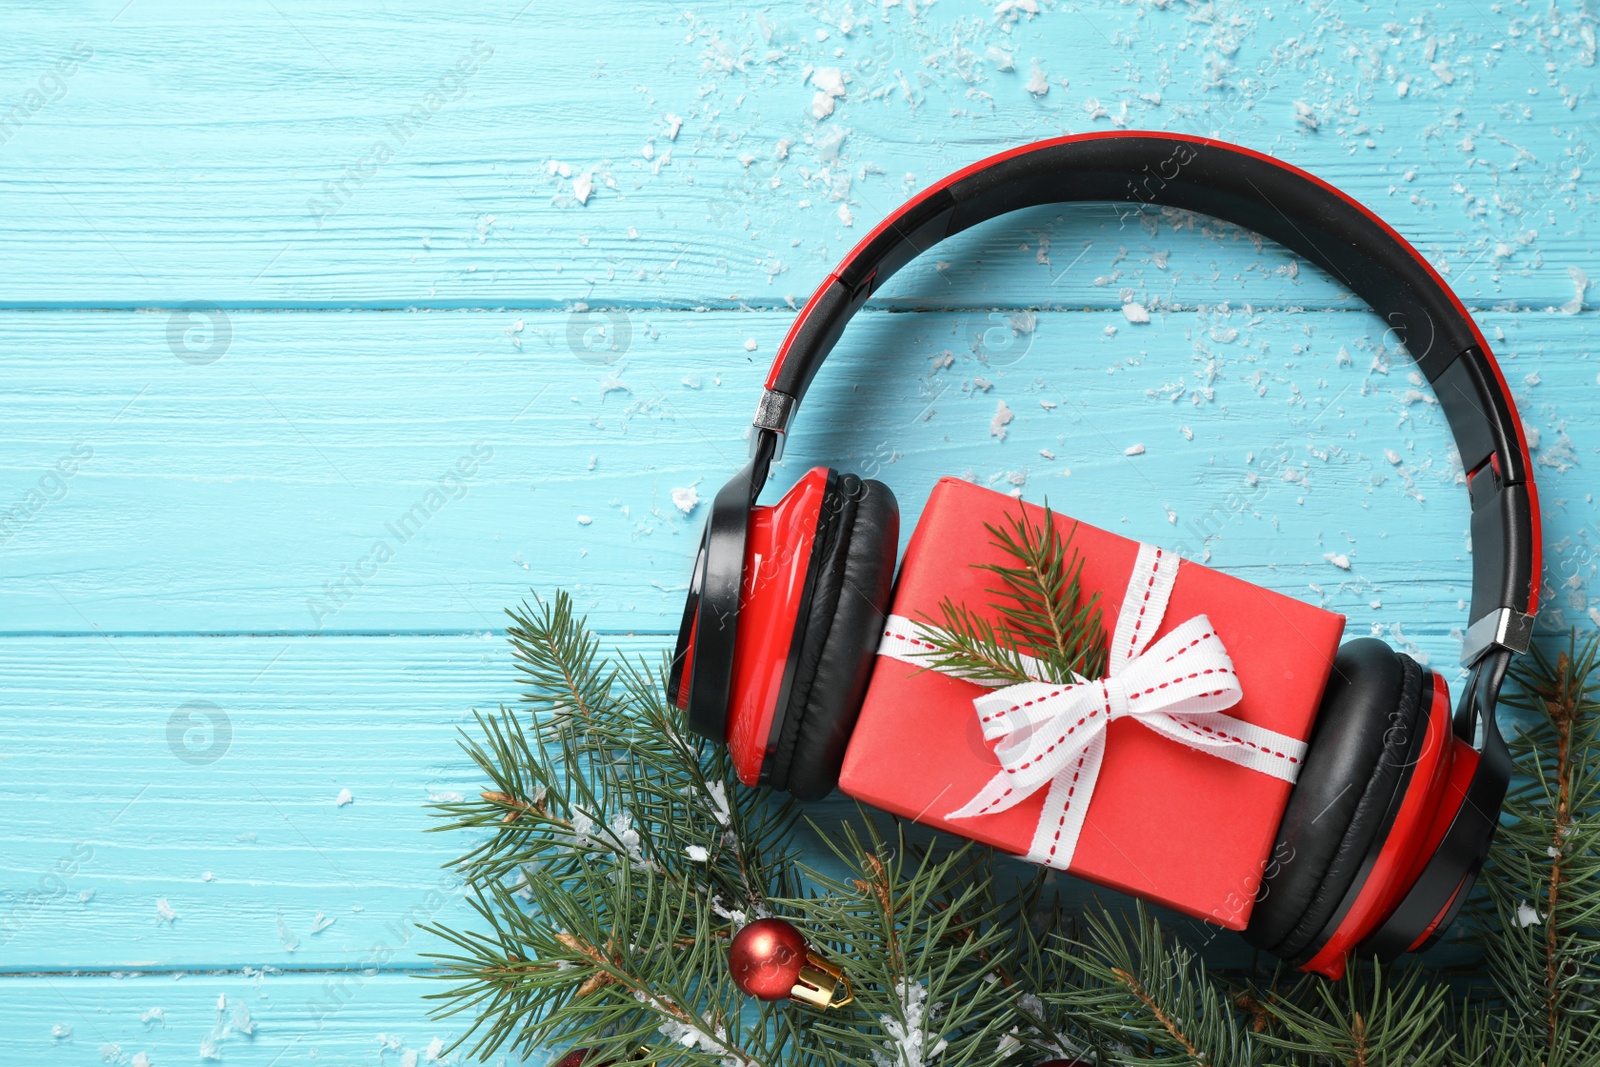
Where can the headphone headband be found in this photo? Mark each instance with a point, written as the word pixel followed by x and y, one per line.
pixel 1294 208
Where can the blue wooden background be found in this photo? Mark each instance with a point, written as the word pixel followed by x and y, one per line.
pixel 276 276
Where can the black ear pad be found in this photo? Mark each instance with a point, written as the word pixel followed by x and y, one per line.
pixel 1369 821
pixel 1385 824
pixel 840 640
pixel 1357 751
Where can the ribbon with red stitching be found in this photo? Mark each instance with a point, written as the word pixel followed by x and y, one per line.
pixel 1051 731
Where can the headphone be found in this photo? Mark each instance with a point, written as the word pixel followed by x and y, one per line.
pixel 1395 806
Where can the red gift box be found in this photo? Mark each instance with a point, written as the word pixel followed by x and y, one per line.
pixel 1165 822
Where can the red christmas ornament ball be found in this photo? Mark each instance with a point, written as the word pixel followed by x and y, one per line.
pixel 765 958
pixel 584 1057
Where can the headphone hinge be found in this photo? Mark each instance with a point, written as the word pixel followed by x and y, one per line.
pixel 1501 628
pixel 773 416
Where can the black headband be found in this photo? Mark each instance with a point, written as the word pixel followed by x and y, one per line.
pixel 1253 190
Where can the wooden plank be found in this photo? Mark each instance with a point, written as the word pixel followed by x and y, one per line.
pixel 172 802
pixel 201 778
pixel 198 823
pixel 252 493
pixel 263 161
pixel 252 1019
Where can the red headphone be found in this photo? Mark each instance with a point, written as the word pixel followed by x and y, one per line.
pixel 1394 809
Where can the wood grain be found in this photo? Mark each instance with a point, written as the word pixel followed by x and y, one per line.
pixel 227 497
pixel 277 157
pixel 355 1019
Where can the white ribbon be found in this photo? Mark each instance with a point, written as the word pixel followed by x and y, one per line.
pixel 1052 731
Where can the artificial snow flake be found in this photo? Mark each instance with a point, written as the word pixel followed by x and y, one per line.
pixel 830 87
pixel 1038 83
pixel 286 937
pixel 829 80
pixel 908 1044
pixel 1580 286
pixel 626 836
pixel 583 187
pixel 719 800
pixel 1002 418
pixel 686 499
pixel 1527 915
pixel 733 915
pixel 690 1036
pixel 1338 559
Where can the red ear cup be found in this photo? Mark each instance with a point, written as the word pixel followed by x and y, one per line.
pixel 780 577
pixel 774 586
pixel 1396 859
pixel 837 643
pixel 813 587
pixel 1402 930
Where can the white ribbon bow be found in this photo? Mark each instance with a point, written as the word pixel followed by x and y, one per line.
pixel 1053 730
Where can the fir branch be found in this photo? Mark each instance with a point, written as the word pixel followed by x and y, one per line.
pixel 1564 693
pixel 1039 610
pixel 611 978
pixel 1543 878
pixel 1044 607
pixel 1137 985
pixel 1362 1021
pixel 921 933
pixel 967 645
pixel 684 795
pixel 615 860
pixel 1041 929
pixel 559 657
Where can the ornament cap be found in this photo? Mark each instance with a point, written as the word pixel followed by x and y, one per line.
pixel 822 984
